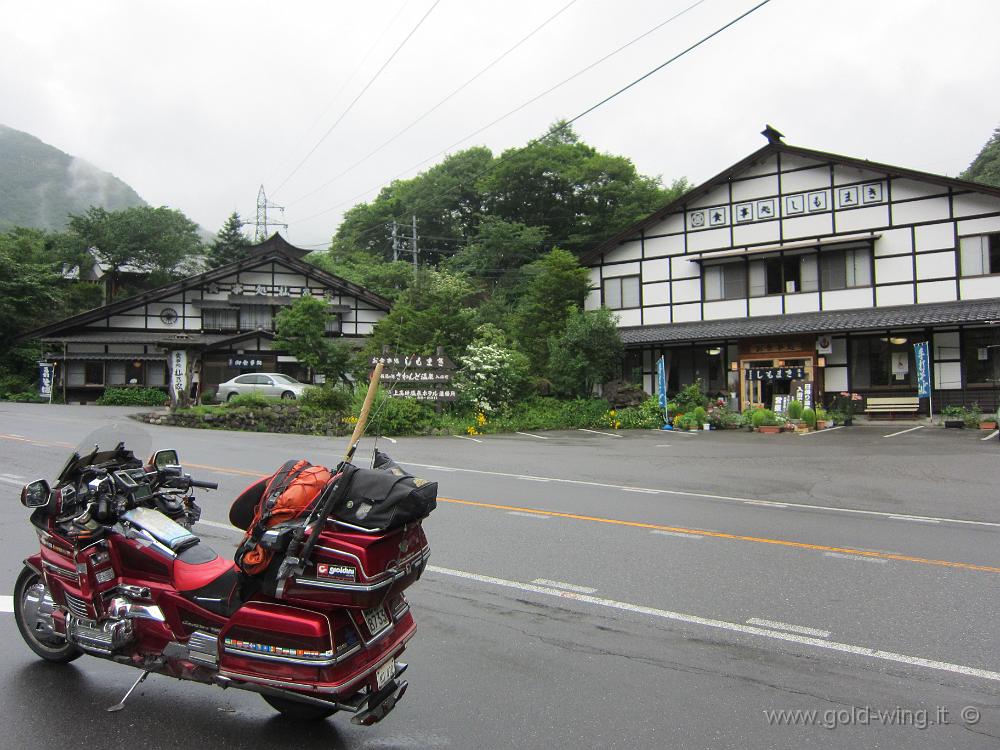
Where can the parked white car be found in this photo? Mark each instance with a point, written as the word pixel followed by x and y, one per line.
pixel 264 383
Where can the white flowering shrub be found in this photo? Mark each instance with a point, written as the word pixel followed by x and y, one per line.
pixel 492 377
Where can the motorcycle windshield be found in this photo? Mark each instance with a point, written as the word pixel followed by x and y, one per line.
pixel 107 443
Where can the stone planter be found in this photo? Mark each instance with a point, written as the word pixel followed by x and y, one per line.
pixel 956 424
pixel 769 429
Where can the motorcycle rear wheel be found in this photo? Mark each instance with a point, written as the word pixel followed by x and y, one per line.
pixel 29 591
pixel 295 710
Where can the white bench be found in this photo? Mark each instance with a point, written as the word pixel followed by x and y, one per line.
pixel 890 405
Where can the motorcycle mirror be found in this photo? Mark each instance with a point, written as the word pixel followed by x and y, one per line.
pixel 35 494
pixel 162 459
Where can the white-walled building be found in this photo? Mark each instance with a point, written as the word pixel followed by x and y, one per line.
pixel 794 258
pixel 223 319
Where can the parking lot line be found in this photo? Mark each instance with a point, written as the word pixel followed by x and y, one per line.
pixel 463 437
pixel 820 432
pixel 595 432
pixel 991 435
pixel 903 432
pixel 528 434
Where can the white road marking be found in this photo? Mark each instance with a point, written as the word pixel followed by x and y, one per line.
pixel 919 519
pixel 641 490
pixel 862 558
pixel 463 437
pixel 663 445
pixel 682 432
pixel 536 516
pixel 803 640
pixel 707 496
pixel 565 586
pixel 6 603
pixel 18 482
pixel 991 435
pixel 391 440
pixel 12 476
pixel 820 432
pixel 595 432
pixel 903 432
pixel 775 624
pixel 768 503
pixel 528 434
pixel 677 534
pixel 534 479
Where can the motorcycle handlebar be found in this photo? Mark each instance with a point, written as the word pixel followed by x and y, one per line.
pixel 204 485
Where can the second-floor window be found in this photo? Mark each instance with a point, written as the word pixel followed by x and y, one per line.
pixel 621 292
pixel 845 269
pixel 980 254
pixel 223 319
pixel 726 281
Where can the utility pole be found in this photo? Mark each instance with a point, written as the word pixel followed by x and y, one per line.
pixel 414 239
pixel 260 232
pixel 395 241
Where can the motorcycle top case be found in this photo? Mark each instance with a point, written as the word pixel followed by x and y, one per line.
pixel 385 497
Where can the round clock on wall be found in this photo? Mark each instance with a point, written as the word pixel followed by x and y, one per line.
pixel 168 316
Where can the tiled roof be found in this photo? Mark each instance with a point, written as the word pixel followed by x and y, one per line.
pixel 832 321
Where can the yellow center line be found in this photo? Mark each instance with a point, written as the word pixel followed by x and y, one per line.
pixel 635 524
pixel 731 537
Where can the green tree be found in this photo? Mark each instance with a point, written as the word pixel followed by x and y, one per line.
pixel 499 249
pixel 229 244
pixel 985 167
pixel 578 195
pixel 555 286
pixel 387 279
pixel 435 311
pixel 586 354
pixel 153 240
pixel 493 376
pixel 301 330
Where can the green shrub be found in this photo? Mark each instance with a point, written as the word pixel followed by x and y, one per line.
pixel 970 415
pixel 646 416
pixel 12 384
pixel 724 418
pixel 762 417
pixel 251 400
pixel 399 416
pixel 326 398
pixel 794 409
pixel 208 396
pixel 132 397
pixel 809 416
pixel 689 398
pixel 699 415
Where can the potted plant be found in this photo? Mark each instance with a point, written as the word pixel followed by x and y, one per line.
pixel 820 418
pixel 766 421
pixel 953 417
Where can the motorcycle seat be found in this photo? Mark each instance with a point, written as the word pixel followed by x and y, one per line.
pixel 204 578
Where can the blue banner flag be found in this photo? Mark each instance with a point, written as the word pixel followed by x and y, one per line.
pixel 661 382
pixel 922 355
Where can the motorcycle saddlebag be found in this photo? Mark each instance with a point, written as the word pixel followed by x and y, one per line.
pixel 385 497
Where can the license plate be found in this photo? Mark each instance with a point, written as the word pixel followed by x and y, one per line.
pixel 385 673
pixel 377 619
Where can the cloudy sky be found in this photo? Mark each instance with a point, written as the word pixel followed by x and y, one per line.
pixel 196 104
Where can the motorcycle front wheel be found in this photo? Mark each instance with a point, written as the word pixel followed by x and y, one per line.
pixel 296 710
pixel 32 612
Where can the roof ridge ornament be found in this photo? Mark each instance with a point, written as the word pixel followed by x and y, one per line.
pixel 772 134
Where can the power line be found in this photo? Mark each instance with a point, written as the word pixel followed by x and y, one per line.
pixel 436 106
pixel 517 109
pixel 358 97
pixel 357 68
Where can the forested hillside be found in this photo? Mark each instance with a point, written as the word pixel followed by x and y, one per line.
pixel 40 186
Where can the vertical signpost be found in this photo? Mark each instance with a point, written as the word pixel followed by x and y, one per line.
pixel 661 389
pixel 923 359
pixel 45 380
pixel 178 377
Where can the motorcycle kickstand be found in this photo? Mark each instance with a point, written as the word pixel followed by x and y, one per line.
pixel 121 705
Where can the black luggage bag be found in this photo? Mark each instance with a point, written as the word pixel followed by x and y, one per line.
pixel 385 497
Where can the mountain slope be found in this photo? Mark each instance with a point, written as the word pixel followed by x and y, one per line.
pixel 40 185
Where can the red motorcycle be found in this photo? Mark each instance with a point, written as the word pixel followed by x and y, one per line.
pixel 316 626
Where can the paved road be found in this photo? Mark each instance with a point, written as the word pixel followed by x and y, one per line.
pixel 588 590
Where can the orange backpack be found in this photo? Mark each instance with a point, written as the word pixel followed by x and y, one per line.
pixel 288 493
